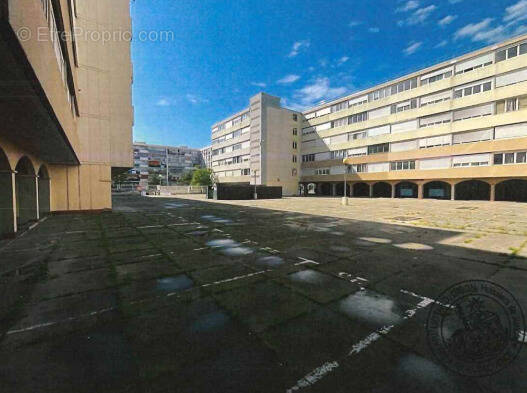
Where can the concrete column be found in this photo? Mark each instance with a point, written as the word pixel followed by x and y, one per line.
pixel 393 190
pixel 453 192
pixel 420 192
pixel 13 186
pixel 371 190
pixel 492 192
pixel 351 190
pixel 333 189
pixel 36 199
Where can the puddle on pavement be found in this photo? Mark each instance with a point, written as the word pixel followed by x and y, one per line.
pixel 309 276
pixel 375 240
pixel 414 246
pixel 372 307
pixel 175 205
pixel 176 283
pixel 222 243
pixel 236 251
pixel 222 221
pixel 424 372
pixel 270 261
pixel 337 233
pixel 209 217
pixel 363 243
pixel 198 233
pixel 210 321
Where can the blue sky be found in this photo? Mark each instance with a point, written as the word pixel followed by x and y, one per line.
pixel 219 53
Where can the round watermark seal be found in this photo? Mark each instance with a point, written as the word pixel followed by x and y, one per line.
pixel 475 328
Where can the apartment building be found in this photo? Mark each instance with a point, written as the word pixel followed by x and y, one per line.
pixel 206 156
pixel 456 130
pixel 65 106
pixel 170 162
pixel 259 145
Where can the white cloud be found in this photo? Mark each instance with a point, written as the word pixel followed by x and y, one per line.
pixel 163 102
pixel 441 44
pixel 194 99
pixel 374 30
pixel 342 60
pixel 412 48
pixel 298 46
pixel 421 15
pixel 454 1
pixel 447 20
pixel 409 5
pixel 472 29
pixel 516 12
pixel 288 79
pixel 355 23
pixel 259 84
pixel 317 91
pixel 491 36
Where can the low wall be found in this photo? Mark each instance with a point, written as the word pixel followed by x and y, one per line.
pixel 242 192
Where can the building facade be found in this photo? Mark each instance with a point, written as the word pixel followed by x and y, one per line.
pixel 206 156
pixel 154 160
pixel 65 106
pixel 457 130
pixel 259 145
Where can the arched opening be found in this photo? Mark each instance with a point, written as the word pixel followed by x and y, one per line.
pixel 311 188
pixel 472 190
pixel 43 191
pixel 382 190
pixel 361 190
pixel 437 190
pixel 514 190
pixel 324 189
pixel 340 189
pixel 7 217
pixel 26 192
pixel 406 189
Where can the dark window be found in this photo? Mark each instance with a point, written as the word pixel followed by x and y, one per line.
pixel 487 86
pixel 501 55
pixel 520 157
pixel 512 52
pixel 523 48
pixel 509 158
pixel 498 159
pixel 380 148
pixel 295 131
pixel 295 117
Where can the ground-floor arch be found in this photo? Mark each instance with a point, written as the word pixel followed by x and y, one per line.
pixel 7 216
pixel 437 190
pixel 475 190
pixel 26 192
pixel 382 190
pixel 513 190
pixel 340 189
pixel 361 190
pixel 406 189
pixel 43 191
pixel 324 189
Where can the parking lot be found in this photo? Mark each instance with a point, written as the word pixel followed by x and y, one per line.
pixel 298 294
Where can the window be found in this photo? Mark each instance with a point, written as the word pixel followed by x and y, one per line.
pixel 308 157
pixel 402 165
pixel 294 172
pixel 511 52
pixel 246 171
pixel 357 135
pixel 294 145
pixel 357 118
pixel 295 117
pixel 435 78
pixel 340 122
pixel 380 148
pixel 510 158
pixel 308 130
pixel 295 131
pixel 474 89
pixel 511 104
pixel 393 89
pixel 404 106
pixel 338 154
pixel 322 171
pixel 339 107
pixel 294 158
pixel 358 168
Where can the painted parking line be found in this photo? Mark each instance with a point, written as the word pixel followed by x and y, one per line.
pixel 320 372
pixel 306 262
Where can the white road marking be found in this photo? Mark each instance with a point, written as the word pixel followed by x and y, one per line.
pixel 306 261
pixel 328 367
pixel 354 280
pixel 150 226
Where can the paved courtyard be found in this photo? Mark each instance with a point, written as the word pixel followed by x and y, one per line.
pixel 299 294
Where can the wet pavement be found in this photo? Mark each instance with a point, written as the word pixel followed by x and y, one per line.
pixel 173 295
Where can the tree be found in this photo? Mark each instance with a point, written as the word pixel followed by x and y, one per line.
pixel 186 178
pixel 153 179
pixel 201 177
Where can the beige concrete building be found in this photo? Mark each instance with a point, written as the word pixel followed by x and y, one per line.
pixel 457 130
pixel 65 106
pixel 260 144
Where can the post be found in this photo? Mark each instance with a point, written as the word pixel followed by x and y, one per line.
pixel 453 192
pixel 166 162
pixel 344 201
pixel 492 192
pixel 255 195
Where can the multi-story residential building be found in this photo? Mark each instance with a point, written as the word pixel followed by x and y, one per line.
pixel 456 130
pixel 152 160
pixel 65 106
pixel 206 156
pixel 259 145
